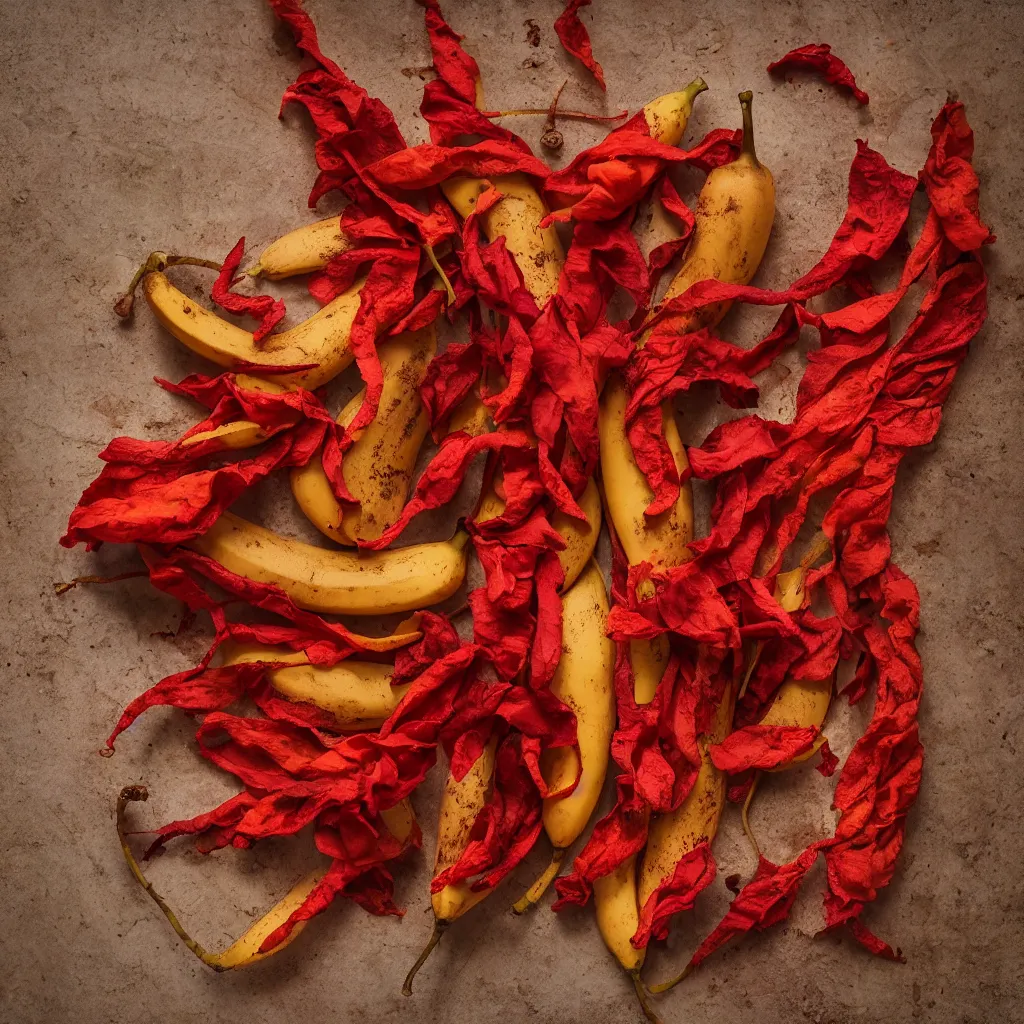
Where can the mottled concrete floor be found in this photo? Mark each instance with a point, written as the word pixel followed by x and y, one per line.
pixel 129 126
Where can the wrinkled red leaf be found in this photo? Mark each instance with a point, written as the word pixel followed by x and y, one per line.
pixel 575 39
pixel 818 57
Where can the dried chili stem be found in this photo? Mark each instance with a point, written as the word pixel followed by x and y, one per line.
pixel 156 261
pixel 128 795
pixel 532 895
pixel 643 996
pixel 572 115
pixel 435 938
pixel 745 812
pixel 63 588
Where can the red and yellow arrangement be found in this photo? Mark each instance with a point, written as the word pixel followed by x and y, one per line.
pixel 714 659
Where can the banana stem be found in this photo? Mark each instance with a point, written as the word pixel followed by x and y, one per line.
pixel 574 115
pixel 672 982
pixel 128 795
pixel 532 895
pixel 643 996
pixel 156 261
pixel 63 588
pixel 745 812
pixel 435 938
pixel 747 149
pixel 695 88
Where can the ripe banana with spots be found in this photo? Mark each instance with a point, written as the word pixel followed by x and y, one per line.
pixel 461 802
pixel 584 681
pixel 580 538
pixel 378 467
pixel 339 582
pixel 798 702
pixel 517 216
pixel 322 339
pixel 357 693
pixel 303 250
pixel 733 220
pixel 672 836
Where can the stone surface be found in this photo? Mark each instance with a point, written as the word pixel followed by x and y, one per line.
pixel 130 126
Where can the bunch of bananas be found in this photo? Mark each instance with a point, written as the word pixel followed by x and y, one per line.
pixel 733 221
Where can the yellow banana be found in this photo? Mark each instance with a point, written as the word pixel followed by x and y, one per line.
pixel 461 802
pixel 733 218
pixel 239 433
pixel 672 836
pixel 235 435
pixel 732 222
pixel 357 693
pixel 470 415
pixel 584 681
pixel 339 582
pixel 667 115
pixel 322 339
pixel 378 467
pixel 516 216
pixel 303 250
pixel 580 538
pixel 798 702
pixel 662 539
pixel 618 916
pixel 245 950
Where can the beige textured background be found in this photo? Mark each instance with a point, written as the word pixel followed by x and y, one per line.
pixel 129 126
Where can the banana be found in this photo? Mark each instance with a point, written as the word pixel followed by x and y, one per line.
pixel 584 680
pixel 580 538
pixel 663 539
pixel 733 218
pixel 618 915
pixel 238 433
pixel 667 115
pixel 303 250
pixel 378 467
pixel 732 222
pixel 322 339
pixel 537 251
pixel 470 415
pixel 358 693
pixel 400 821
pixel 671 836
pixel 461 802
pixel 339 582
pixel 798 702
pixel 233 436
